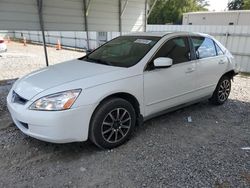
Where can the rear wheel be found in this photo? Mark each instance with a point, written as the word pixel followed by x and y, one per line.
pixel 112 123
pixel 222 91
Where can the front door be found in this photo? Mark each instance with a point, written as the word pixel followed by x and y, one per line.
pixel 168 87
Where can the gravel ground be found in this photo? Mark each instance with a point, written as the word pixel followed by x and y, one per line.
pixel 168 151
pixel 21 60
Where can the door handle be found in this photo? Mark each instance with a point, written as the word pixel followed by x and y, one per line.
pixel 222 62
pixel 190 69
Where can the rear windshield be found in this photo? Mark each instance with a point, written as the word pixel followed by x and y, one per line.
pixel 124 51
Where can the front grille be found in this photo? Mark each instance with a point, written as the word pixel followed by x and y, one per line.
pixel 18 99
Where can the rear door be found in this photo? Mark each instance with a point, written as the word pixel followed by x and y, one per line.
pixel 211 64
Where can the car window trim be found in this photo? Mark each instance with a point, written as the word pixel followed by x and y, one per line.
pixel 173 37
pixel 192 49
pixel 216 45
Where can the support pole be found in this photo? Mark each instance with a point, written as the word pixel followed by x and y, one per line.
pixel 88 7
pixel 124 8
pixel 146 15
pixel 40 12
pixel 86 21
pixel 151 8
pixel 120 16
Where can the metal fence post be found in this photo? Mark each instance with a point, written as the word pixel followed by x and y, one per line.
pixel 86 21
pixel 40 7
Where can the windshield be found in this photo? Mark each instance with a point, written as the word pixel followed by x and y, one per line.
pixel 124 51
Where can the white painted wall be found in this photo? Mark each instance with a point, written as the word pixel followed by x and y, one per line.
pixel 241 17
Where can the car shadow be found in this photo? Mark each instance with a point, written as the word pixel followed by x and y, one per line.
pixel 203 111
pixel 73 148
pixel 7 82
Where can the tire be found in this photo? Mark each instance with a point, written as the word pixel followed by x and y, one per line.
pixel 222 91
pixel 112 123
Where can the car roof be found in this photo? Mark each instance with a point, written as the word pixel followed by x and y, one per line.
pixel 162 34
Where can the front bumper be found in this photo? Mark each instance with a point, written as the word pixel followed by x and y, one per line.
pixel 52 126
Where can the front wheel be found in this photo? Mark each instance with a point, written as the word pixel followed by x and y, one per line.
pixel 112 123
pixel 222 91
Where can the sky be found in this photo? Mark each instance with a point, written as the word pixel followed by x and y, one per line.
pixel 217 5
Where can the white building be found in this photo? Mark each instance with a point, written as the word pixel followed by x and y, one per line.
pixel 241 17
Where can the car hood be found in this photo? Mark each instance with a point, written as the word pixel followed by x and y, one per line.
pixel 52 76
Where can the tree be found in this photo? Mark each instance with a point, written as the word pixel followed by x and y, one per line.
pixel 246 5
pixel 202 4
pixel 239 5
pixel 170 11
pixel 235 5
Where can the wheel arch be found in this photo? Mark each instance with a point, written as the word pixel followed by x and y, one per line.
pixel 123 95
pixel 230 74
pixel 126 96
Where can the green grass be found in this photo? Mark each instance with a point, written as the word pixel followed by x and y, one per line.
pixel 245 74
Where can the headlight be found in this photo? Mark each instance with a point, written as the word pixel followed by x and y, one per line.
pixel 58 101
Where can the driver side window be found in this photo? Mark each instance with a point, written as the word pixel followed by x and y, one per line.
pixel 176 49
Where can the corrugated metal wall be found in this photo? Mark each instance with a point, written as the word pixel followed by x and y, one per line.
pixel 235 38
pixel 68 15
pixel 133 18
pixel 18 13
pixel 63 15
pixel 104 15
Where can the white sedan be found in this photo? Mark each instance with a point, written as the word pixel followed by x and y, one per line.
pixel 103 95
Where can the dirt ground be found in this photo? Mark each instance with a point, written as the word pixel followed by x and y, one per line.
pixel 167 151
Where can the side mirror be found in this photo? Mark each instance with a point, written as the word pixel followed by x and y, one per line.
pixel 163 62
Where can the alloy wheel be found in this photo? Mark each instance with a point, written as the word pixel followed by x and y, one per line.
pixel 224 90
pixel 116 125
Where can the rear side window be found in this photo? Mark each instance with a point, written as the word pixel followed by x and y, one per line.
pixel 204 47
pixel 176 49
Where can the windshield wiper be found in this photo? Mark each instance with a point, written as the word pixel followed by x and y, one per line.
pixel 98 61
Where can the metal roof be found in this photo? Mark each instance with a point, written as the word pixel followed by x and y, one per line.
pixel 73 15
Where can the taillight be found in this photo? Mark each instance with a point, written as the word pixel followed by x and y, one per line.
pixel 1 41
